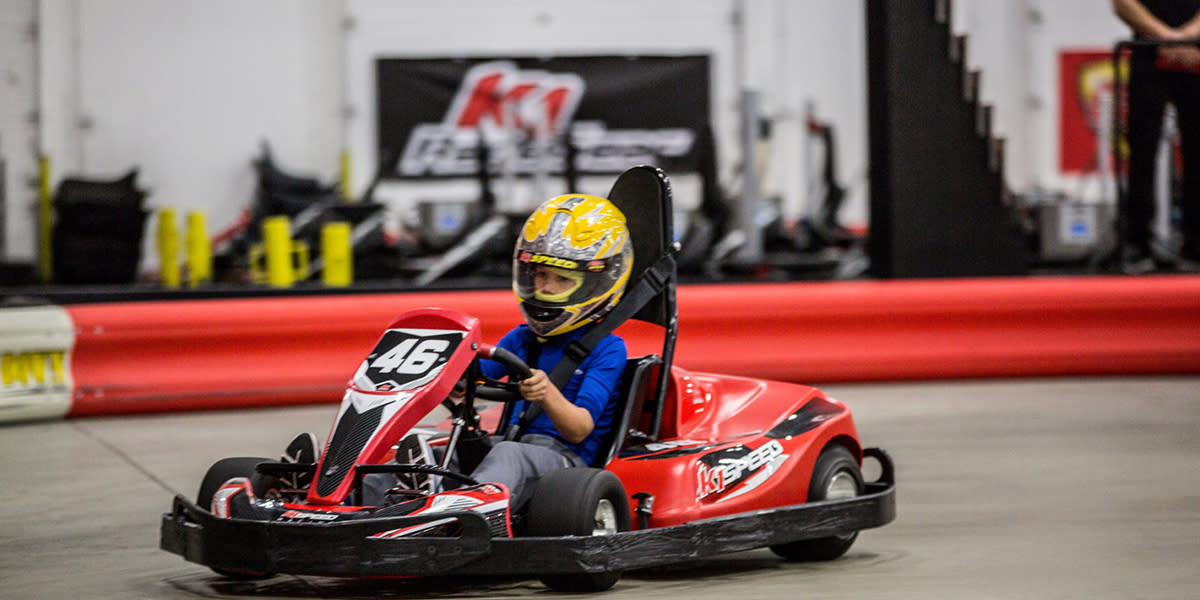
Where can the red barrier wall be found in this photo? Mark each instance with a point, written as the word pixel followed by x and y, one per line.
pixel 858 331
pixel 182 355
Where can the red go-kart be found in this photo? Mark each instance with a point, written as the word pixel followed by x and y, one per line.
pixel 696 464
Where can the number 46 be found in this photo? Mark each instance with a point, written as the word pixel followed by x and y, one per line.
pixel 419 360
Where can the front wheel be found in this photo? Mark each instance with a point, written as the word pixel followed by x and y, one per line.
pixel 579 501
pixel 836 476
pixel 223 470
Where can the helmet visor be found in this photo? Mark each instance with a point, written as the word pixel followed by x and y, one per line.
pixel 554 286
pixel 555 282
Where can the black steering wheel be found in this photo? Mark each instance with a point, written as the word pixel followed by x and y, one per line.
pixel 503 391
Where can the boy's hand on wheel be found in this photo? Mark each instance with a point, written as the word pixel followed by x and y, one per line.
pixel 533 388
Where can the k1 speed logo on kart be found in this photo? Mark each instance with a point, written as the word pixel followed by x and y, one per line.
pixel 405 359
pixel 721 471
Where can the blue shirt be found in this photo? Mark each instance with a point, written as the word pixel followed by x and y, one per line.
pixel 594 385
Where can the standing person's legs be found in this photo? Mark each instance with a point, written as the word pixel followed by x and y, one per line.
pixel 1147 99
pixel 1186 97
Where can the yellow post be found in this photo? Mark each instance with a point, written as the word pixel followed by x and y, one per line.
pixel 258 267
pixel 168 248
pixel 45 215
pixel 277 244
pixel 344 175
pixel 300 260
pixel 337 254
pixel 199 251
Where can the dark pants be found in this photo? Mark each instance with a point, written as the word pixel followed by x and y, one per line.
pixel 1149 91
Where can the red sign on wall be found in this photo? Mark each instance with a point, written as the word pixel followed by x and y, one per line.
pixel 1085 101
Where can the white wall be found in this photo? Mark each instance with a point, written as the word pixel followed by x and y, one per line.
pixel 187 89
pixel 18 132
pixel 824 69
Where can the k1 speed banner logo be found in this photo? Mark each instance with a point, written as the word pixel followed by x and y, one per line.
pixel 620 111
pixel 405 359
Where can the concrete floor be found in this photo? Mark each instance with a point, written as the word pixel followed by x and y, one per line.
pixel 1056 488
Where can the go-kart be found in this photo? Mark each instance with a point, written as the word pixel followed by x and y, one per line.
pixel 695 464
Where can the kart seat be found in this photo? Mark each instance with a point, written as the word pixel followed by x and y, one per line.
pixel 630 417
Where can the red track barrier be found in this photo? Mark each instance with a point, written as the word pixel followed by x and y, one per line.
pixel 184 355
pixel 890 330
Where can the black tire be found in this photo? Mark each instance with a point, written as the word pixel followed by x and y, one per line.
pixel 833 462
pixel 567 502
pixel 223 470
pixel 227 468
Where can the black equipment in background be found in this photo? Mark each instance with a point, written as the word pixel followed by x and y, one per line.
pixel 309 206
pixel 98 230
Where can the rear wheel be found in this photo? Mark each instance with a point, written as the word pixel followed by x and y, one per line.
pixel 579 501
pixel 836 476
pixel 223 470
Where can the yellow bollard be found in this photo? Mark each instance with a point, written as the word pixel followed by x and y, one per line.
pixel 168 248
pixel 255 258
pixel 345 175
pixel 337 254
pixel 45 226
pixel 277 245
pixel 199 250
pixel 300 257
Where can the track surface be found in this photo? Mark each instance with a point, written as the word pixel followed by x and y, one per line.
pixel 1058 488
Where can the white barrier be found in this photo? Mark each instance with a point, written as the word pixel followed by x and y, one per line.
pixel 35 363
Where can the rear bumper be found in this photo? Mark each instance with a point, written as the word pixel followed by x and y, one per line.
pixel 347 548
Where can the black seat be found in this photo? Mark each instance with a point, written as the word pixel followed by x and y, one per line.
pixel 637 385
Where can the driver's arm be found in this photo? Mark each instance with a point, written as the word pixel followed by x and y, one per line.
pixel 573 423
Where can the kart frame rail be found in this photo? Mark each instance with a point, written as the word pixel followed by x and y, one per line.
pixel 345 548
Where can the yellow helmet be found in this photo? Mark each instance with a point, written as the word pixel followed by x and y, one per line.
pixel 582 242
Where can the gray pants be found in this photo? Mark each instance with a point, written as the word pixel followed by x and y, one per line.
pixel 519 464
pixel 515 464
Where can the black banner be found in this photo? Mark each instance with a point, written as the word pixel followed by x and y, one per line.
pixel 620 111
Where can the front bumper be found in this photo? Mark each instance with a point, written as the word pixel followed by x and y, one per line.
pixel 347 548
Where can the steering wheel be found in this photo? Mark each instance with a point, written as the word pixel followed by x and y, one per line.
pixel 488 388
pixel 502 391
